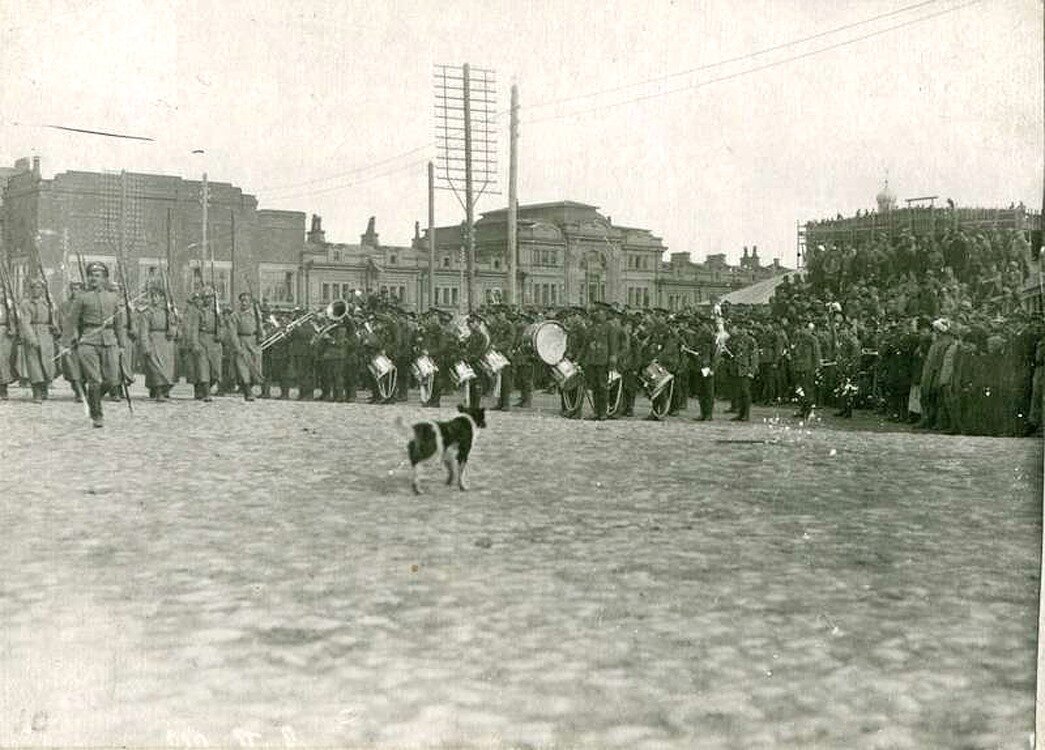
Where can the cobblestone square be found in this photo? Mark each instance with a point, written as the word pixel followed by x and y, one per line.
pixel 242 574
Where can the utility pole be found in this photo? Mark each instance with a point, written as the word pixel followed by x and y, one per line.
pixel 513 201
pixel 232 263
pixel 122 246
pixel 469 202
pixel 170 244
pixel 431 235
pixel 205 198
pixel 466 117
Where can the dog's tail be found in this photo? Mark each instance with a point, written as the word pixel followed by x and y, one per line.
pixel 407 431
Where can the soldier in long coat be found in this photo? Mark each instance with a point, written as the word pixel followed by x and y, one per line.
pixel 598 355
pixel 8 345
pixel 205 330
pixel 98 330
pixel 245 339
pixel 70 364
pixel 38 329
pixel 155 339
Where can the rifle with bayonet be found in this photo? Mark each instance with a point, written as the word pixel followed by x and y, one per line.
pixel 127 376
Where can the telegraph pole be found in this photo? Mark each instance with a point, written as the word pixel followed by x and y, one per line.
pixel 122 254
pixel 431 235
pixel 469 202
pixel 232 263
pixel 513 202
pixel 466 134
pixel 205 198
pixel 170 245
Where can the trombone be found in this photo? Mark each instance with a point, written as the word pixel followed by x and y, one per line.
pixel 282 333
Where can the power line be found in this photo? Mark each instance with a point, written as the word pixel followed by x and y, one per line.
pixel 731 76
pixel 355 170
pixel 347 185
pixel 739 58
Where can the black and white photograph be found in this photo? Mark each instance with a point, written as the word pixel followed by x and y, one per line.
pixel 521 374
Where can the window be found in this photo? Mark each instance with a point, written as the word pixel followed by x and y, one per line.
pixel 645 297
pixel 402 292
pixel 336 255
pixel 446 261
pixel 496 263
pixel 324 295
pixel 277 286
pixel 453 296
pixel 391 260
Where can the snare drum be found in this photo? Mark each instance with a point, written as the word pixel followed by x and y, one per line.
pixel 565 372
pixel 655 378
pixel 424 368
pixel 548 339
pixel 380 366
pixel 461 373
pixel 493 362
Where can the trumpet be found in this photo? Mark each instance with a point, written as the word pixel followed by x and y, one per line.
pixel 282 333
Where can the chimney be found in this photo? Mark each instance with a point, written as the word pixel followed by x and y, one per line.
pixel 745 251
pixel 754 251
pixel 36 166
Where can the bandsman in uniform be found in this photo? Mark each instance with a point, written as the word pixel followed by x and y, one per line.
pixel 597 357
pixel 156 342
pixel 705 343
pixel 70 364
pixel 245 339
pixel 98 331
pixel 848 356
pixel 745 367
pixel 39 328
pixel 475 346
pixel 805 362
pixel 299 346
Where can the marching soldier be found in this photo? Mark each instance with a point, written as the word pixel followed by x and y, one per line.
pixel 206 332
pixel 70 364
pixel 245 339
pixel 98 330
pixel 8 343
pixel 475 346
pixel 38 331
pixel 524 363
pixel 156 336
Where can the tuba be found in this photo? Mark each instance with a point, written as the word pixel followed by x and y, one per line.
pixel 336 312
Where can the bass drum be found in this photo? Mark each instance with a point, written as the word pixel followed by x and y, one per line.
pixel 548 339
pixel 384 372
pixel 660 387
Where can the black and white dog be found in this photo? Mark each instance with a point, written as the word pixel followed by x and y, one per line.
pixel 453 439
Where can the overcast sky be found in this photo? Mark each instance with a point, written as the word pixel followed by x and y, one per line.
pixel 667 115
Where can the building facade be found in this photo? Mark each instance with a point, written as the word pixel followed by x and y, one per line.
pixel 149 222
pixel 568 254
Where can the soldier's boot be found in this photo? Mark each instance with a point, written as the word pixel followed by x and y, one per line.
pixel 165 393
pixel 154 394
pixel 94 403
pixel 37 398
pixel 266 390
pixel 44 391
pixel 3 391
pixel 284 392
pixel 248 391
pixel 197 392
pixel 77 391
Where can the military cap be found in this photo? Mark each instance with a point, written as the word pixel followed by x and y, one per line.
pixel 97 265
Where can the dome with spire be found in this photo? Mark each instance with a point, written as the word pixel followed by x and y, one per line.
pixel 886 199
